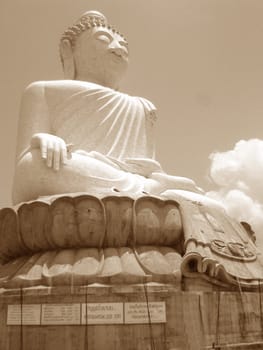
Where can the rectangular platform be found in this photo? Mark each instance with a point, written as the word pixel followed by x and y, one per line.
pixel 134 317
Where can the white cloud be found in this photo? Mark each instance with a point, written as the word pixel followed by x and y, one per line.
pixel 238 173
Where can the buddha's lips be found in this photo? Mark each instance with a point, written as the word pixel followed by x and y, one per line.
pixel 118 57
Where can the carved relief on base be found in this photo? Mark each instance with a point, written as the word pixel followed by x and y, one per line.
pixel 81 239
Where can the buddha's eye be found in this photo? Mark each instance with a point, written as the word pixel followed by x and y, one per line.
pixel 103 38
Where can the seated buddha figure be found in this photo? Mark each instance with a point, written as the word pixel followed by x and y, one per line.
pixel 81 134
pixel 83 138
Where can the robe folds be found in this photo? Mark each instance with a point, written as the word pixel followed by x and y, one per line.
pixel 109 125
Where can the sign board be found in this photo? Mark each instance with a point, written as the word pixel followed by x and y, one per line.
pixel 31 314
pixel 153 312
pixel 102 313
pixel 60 314
pixel 86 313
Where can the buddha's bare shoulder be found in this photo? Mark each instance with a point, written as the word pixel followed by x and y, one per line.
pixel 60 86
pixel 54 91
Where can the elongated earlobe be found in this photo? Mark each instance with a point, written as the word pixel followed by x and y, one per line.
pixel 67 58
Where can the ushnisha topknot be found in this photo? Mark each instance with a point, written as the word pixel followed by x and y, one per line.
pixel 88 20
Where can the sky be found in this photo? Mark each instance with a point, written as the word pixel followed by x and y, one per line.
pixel 199 61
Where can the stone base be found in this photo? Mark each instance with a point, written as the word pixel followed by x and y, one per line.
pixel 83 239
pixel 194 320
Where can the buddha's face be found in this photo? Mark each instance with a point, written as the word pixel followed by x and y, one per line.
pixel 101 56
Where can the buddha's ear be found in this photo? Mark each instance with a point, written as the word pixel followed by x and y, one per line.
pixel 67 58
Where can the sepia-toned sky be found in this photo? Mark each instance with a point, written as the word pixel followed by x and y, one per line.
pixel 199 61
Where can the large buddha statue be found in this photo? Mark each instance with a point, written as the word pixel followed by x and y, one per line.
pixel 82 134
pixel 92 201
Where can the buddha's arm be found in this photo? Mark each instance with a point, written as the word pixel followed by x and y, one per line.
pixel 34 130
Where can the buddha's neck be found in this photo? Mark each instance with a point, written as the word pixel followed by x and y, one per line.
pixel 92 79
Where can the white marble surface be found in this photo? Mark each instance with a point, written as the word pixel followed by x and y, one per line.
pixel 82 135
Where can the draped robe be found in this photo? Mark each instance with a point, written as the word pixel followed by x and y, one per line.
pixel 108 125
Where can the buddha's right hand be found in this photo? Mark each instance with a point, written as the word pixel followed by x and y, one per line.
pixel 53 149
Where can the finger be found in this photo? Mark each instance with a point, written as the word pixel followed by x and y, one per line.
pixel 56 156
pixel 49 154
pixel 63 153
pixel 43 149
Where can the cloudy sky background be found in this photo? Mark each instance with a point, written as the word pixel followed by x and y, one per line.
pixel 199 61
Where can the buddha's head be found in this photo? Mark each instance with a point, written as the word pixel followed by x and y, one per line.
pixel 91 50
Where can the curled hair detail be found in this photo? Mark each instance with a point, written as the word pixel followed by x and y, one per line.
pixel 86 22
